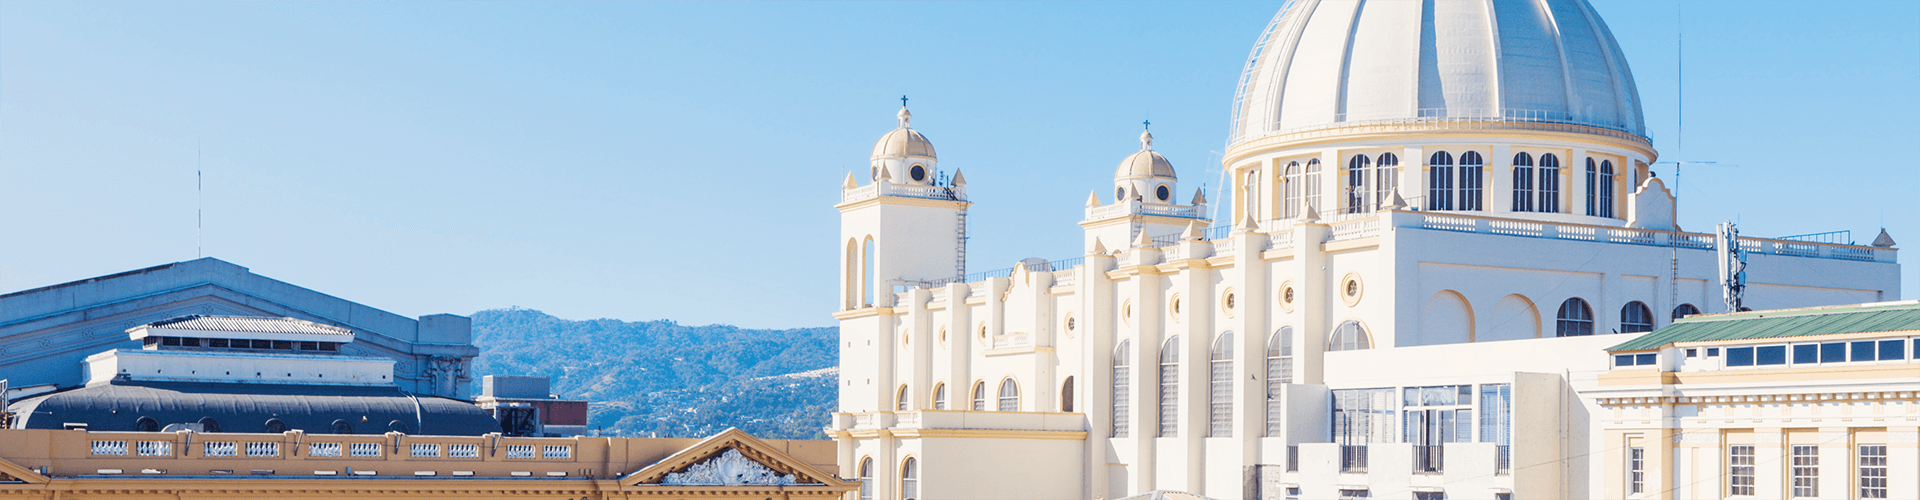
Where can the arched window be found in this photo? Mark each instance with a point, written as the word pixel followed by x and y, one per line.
pixel 1471 168
pixel 1349 336
pixel 1384 173
pixel 1635 318
pixel 939 396
pixel 275 426
pixel 900 398
pixel 866 478
pixel 1009 395
pixel 1549 183
pixel 146 424
pixel 1290 207
pixel 1684 310
pixel 1121 371
pixel 1170 387
pixel 852 292
pixel 1253 194
pixel 1575 319
pixel 910 479
pixel 1522 183
pixel 1606 188
pixel 1220 398
pixel 1066 395
pixel 1312 186
pixel 1593 178
pixel 980 396
pixel 1440 181
pixel 1279 372
pixel 1357 168
pixel 867 280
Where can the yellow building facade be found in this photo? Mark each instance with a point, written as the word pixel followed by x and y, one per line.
pixel 77 464
pixel 1799 403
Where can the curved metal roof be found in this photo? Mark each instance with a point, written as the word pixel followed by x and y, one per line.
pixel 119 406
pixel 1328 63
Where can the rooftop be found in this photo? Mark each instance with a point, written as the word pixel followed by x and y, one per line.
pixel 1780 323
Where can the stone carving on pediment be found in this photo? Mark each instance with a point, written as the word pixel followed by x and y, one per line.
pixel 444 373
pixel 730 468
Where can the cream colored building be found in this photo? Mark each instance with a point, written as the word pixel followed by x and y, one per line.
pixel 1797 403
pixel 1435 210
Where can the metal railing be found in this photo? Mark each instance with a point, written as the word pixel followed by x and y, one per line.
pixel 1293 458
pixel 1353 458
pixel 1842 237
pixel 1631 236
pixel 1428 459
pixel 1503 460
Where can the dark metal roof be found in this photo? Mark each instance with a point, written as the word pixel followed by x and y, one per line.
pixel 1896 317
pixel 247 324
pixel 119 406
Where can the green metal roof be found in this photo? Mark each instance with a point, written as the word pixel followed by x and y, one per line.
pixel 1882 317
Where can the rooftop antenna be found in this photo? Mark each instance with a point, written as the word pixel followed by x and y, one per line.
pixel 199 202
pixel 1733 265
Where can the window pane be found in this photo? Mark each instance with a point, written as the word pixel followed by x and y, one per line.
pixel 1740 356
pixel 1833 352
pixel 1893 349
pixel 1771 355
pixel 1863 351
pixel 1644 359
pixel 1806 353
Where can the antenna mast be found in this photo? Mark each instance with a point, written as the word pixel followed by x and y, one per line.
pixel 1733 265
pixel 199 206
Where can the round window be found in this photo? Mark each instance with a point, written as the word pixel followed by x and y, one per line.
pixel 1070 324
pixel 1288 295
pixel 1119 194
pixel 1229 301
pixel 1353 288
pixel 1163 193
pixel 919 173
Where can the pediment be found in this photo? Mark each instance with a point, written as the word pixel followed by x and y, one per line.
pixel 730 458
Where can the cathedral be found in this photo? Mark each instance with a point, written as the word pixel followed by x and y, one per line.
pixel 1440 219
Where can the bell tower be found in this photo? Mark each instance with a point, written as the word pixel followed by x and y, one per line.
pixel 1145 192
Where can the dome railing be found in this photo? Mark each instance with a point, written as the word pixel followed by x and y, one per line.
pixel 1465 119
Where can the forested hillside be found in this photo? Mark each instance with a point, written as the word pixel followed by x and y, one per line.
pixel 666 378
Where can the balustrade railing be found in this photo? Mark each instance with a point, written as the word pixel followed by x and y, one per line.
pixel 876 190
pixel 1503 460
pixel 1011 340
pixel 1626 235
pixel 1428 459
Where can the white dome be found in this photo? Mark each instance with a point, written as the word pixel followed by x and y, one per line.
pixel 904 142
pixel 1330 63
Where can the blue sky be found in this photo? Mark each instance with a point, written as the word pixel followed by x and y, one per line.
pixel 680 160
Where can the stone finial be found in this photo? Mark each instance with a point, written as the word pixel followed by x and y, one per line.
pixel 850 184
pixel 1093 198
pixel 1396 202
pixel 1247 223
pixel 1200 196
pixel 886 174
pixel 959 180
pixel 1193 232
pixel 1884 240
pixel 1143 241
pixel 1098 247
pixel 1311 215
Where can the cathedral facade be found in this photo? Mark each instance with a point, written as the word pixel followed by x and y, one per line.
pixel 1441 215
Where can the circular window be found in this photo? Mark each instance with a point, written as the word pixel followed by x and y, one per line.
pixel 983 333
pixel 943 336
pixel 905 338
pixel 1126 312
pixel 1071 324
pixel 1173 306
pixel 919 173
pixel 1286 296
pixel 1351 289
pixel 1163 193
pixel 1119 194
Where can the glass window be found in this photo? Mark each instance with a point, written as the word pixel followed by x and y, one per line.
pixel 1384 173
pixel 1684 310
pixel 1806 471
pixel 1312 186
pixel 1863 351
pixel 1170 387
pixel 980 396
pixel 1349 336
pixel 1606 188
pixel 1644 359
pixel 1575 319
pixel 1362 416
pixel 1636 317
pixel 1440 181
pixel 939 396
pixel 1522 183
pixel 1220 398
pixel 1740 470
pixel 1290 208
pixel 1470 174
pixel 910 479
pixel 1833 352
pixel 1873 471
pixel 1636 470
pixel 1623 360
pixel 1279 372
pixel 1893 349
pixel 1009 395
pixel 866 478
pixel 1593 173
pixel 1770 355
pixel 900 399
pixel 1122 408
pixel 1357 168
pixel 1549 183
pixel 1740 356
pixel 1806 353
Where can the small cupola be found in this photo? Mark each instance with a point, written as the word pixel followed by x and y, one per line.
pixel 904 152
pixel 1145 174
